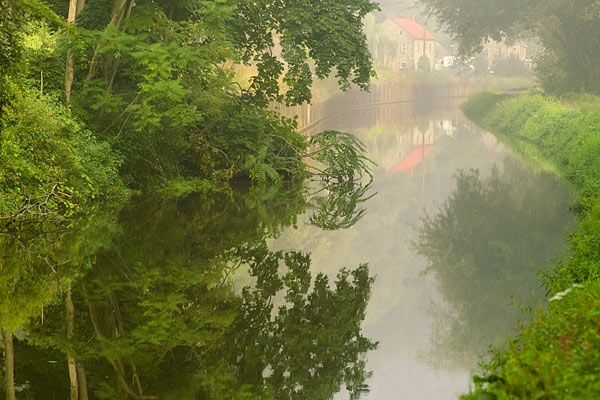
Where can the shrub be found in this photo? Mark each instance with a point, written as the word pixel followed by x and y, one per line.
pixel 49 160
pixel 424 64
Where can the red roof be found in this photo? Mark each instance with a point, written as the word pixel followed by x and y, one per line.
pixel 413 28
pixel 413 159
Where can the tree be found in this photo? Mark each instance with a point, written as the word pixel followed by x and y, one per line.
pixel 153 78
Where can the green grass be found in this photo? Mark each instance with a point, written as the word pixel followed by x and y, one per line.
pixel 557 354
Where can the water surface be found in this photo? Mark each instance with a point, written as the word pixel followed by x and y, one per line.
pixel 455 235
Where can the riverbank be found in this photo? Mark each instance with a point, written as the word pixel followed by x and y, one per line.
pixel 557 354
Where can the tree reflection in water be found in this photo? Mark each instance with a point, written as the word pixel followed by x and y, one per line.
pixel 155 313
pixel 488 239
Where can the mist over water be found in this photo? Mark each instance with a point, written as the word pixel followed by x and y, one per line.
pixel 454 236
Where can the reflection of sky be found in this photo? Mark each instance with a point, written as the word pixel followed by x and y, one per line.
pixel 400 312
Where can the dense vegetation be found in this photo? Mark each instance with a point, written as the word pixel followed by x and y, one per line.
pixel 555 356
pixel 566 30
pixel 101 100
pixel 152 92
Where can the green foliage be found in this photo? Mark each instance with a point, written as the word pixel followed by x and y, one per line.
pixel 14 17
pixel 552 75
pixel 556 356
pixel 513 115
pixel 328 33
pixel 155 83
pixel 341 156
pixel 154 79
pixel 480 104
pixel 252 142
pixel 10 46
pixel 49 163
pixel 41 68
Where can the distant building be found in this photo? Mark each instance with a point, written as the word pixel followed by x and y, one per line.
pixel 501 50
pixel 402 42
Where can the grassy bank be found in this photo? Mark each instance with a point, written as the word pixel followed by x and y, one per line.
pixel 557 354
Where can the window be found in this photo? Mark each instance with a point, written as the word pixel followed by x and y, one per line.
pixel 403 65
pixel 403 47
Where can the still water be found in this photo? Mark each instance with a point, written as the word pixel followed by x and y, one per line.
pixel 242 295
pixel 455 235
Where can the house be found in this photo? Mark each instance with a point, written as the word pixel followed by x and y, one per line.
pixel 502 50
pixel 401 43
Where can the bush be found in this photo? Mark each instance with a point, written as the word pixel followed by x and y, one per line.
pixel 556 356
pixel 49 160
pixel 424 64
pixel 480 104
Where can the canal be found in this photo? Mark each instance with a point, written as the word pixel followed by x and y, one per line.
pixel 456 236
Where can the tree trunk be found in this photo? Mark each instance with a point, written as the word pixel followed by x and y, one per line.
pixel 80 5
pixel 121 11
pixel 70 68
pixel 72 363
pixel 9 365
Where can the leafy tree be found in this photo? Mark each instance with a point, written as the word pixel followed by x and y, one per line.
pixel 155 79
pixel 152 79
